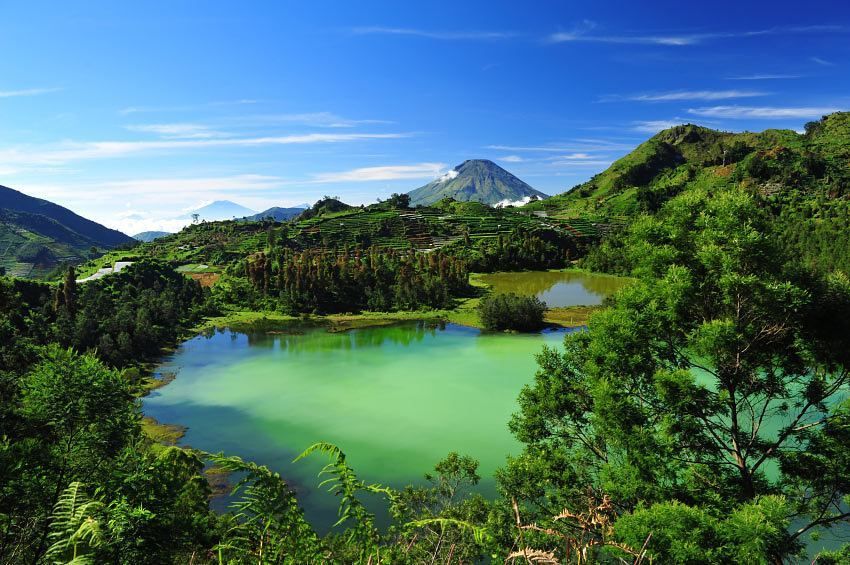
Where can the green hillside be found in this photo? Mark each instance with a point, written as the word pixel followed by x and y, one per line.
pixel 680 157
pixel 804 178
pixel 36 235
pixel 333 225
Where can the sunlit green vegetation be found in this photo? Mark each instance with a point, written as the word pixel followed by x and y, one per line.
pixel 511 311
pixel 702 417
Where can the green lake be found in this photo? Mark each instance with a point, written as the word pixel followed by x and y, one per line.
pixel 395 398
pixel 557 288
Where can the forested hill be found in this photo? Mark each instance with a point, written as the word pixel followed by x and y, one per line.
pixel 464 228
pixel 804 178
pixel 36 235
pixel 11 199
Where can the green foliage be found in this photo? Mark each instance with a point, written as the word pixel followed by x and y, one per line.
pixel 838 557
pixel 703 417
pixel 129 316
pixel 803 180
pixel 702 392
pixel 268 526
pixel 445 519
pixel 326 205
pixel 511 311
pixel 752 533
pixel 362 280
pixel 522 250
pixel 74 528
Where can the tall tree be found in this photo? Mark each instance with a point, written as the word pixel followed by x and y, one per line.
pixel 69 290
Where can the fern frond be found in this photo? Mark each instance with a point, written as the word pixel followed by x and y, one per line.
pixel 322 447
pixel 74 526
pixel 479 533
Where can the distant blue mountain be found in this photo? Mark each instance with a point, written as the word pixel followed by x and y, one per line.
pixel 278 214
pixel 148 236
pixel 220 210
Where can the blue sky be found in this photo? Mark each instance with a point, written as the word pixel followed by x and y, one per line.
pixel 132 113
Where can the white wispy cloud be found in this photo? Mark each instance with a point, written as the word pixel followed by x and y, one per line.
pixel 576 146
pixel 679 95
pixel 314 119
pixel 584 32
pixel 576 156
pixel 383 173
pixel 140 204
pixel 194 185
pixel 178 130
pixel 570 159
pixel 77 151
pixel 436 34
pixel 528 148
pixel 184 108
pixel 580 163
pixel 765 76
pixel 762 112
pixel 822 62
pixel 27 92
pixel 654 126
pixel 164 189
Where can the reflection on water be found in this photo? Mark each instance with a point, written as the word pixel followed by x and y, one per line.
pixel 557 288
pixel 395 398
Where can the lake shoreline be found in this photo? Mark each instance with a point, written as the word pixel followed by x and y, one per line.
pixel 464 313
pixel 276 323
pixel 504 362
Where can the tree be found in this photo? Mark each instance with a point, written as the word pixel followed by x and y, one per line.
pixel 85 414
pixel 399 201
pixel 511 312
pixel 433 521
pixel 714 382
pixel 69 290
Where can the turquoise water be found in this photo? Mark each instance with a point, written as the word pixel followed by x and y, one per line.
pixel 395 398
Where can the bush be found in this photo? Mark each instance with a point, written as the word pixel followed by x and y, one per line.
pixel 512 312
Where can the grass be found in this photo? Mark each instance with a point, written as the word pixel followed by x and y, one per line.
pixel 570 316
pixel 269 320
pixel 151 383
pixel 196 268
pixel 465 313
pixel 164 434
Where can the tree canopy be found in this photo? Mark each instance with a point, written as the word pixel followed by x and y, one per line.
pixel 709 402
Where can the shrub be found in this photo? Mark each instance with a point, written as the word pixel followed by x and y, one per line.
pixel 512 312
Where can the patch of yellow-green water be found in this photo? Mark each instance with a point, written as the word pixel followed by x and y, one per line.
pixel 396 399
pixel 557 288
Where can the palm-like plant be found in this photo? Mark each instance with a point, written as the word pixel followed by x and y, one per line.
pixel 343 482
pixel 269 526
pixel 74 528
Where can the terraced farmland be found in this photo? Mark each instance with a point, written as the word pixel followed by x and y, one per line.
pixel 424 229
